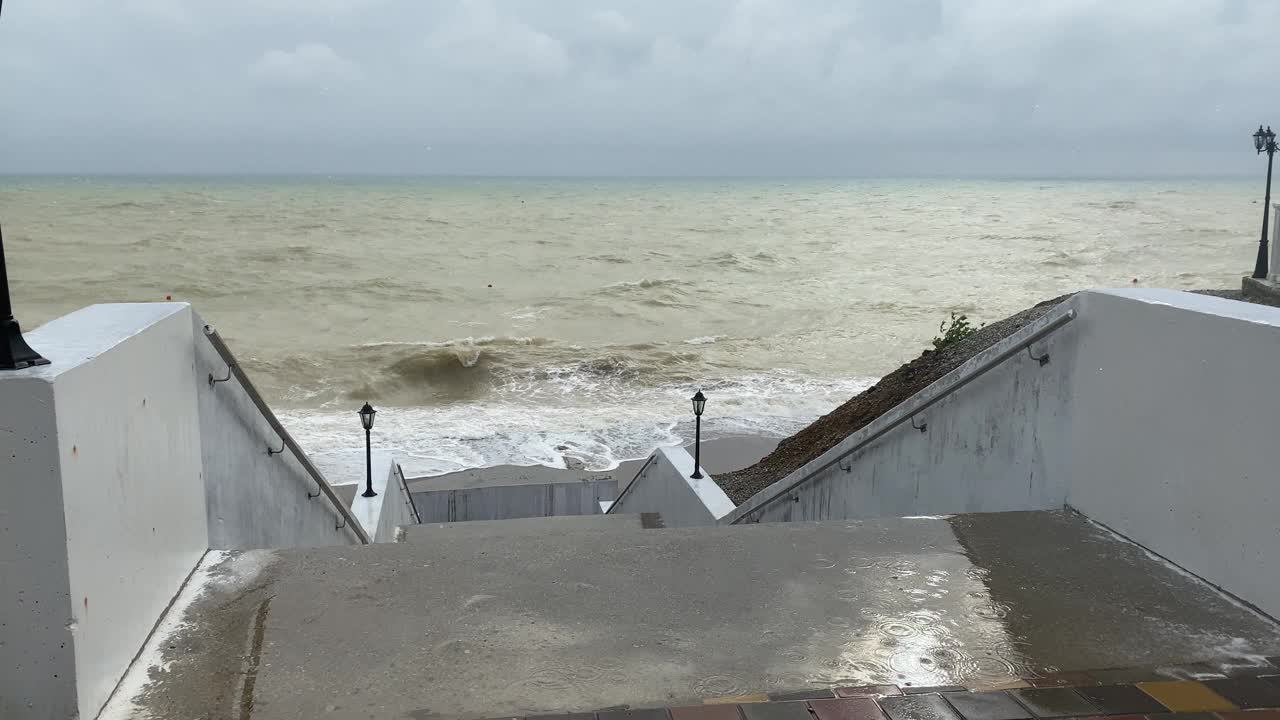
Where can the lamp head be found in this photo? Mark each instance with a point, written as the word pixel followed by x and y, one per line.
pixel 699 403
pixel 366 416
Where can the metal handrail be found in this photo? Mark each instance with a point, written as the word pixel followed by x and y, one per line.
pixel 627 489
pixel 909 413
pixel 404 487
pixel 233 368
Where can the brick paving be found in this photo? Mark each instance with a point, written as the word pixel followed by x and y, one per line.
pixel 1247 689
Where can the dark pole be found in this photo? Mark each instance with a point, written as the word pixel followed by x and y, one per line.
pixel 697 448
pixel 15 353
pixel 1260 267
pixel 368 467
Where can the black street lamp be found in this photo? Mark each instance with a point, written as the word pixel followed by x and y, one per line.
pixel 366 419
pixel 15 353
pixel 1264 141
pixel 699 404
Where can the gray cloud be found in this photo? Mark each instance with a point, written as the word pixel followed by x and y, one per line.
pixel 636 86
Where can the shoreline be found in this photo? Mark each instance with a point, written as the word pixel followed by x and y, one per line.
pixel 719 455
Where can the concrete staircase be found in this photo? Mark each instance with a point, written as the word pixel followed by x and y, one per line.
pixel 491 619
pixel 525 527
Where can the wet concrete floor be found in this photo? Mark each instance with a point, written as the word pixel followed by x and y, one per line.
pixel 471 625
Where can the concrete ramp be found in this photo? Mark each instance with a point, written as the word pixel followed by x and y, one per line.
pixel 476 625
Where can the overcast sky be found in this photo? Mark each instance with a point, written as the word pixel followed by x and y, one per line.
pixel 701 87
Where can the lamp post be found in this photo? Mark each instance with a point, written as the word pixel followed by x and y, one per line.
pixel 366 419
pixel 699 404
pixel 1264 141
pixel 15 353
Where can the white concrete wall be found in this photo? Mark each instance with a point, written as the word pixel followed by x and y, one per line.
pixel 1173 431
pixel 113 422
pixel 389 509
pixel 505 502
pixel 987 447
pixel 663 486
pixel 1156 416
pixel 254 500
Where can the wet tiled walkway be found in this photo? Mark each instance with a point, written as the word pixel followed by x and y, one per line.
pixel 475 625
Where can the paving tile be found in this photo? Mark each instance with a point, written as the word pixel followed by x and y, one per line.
pixel 1185 696
pixel 706 712
pixel 1247 693
pixel 1011 683
pixel 776 711
pixel 1251 715
pixel 736 699
pixel 643 714
pixel 1063 679
pixel 868 691
pixel 817 694
pixel 918 707
pixel 997 705
pixel 863 708
pixel 1125 675
pixel 1054 702
pixel 1121 700
pixel 925 690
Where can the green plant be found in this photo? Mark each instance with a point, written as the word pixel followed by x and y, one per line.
pixel 959 330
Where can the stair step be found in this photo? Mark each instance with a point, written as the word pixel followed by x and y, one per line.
pixel 519 527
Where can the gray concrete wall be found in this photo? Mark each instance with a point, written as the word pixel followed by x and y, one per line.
pixel 112 465
pixel 664 486
pixel 1173 432
pixel 989 446
pixel 501 502
pixel 254 500
pixel 37 657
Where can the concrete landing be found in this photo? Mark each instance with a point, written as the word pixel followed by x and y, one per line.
pixel 522 527
pixel 474 626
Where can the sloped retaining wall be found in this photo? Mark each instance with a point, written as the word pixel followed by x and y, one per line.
pixel 663 486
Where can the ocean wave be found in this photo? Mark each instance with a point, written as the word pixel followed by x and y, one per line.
pixel 743 261
pixel 130 205
pixel 611 259
pixel 644 284
pixel 471 368
pixel 660 292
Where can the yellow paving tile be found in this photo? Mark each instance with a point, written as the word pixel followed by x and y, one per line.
pixel 1003 684
pixel 737 699
pixel 1186 696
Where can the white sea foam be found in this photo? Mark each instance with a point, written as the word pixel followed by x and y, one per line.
pixel 595 423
